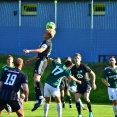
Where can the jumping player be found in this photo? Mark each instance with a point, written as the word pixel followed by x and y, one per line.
pixel 43 52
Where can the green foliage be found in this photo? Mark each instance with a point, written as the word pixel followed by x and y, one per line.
pixel 97 96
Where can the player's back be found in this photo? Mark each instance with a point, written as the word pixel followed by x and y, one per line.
pixel 57 73
pixel 12 80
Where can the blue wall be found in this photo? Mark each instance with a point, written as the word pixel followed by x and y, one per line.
pixel 73 29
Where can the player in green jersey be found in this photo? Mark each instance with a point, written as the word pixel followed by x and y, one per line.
pixel 109 78
pixel 52 83
pixel 8 66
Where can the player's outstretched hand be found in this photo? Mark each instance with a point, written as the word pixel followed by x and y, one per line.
pixel 25 51
pixel 27 62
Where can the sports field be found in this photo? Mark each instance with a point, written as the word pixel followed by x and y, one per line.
pixel 98 111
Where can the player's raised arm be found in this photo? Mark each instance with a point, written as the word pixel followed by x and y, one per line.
pixel 31 59
pixel 39 50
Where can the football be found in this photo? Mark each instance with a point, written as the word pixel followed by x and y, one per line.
pixel 50 25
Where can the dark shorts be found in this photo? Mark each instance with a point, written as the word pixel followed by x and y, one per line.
pixel 15 104
pixel 82 90
pixel 40 66
pixel 63 86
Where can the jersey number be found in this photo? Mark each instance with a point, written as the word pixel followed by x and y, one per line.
pixel 57 70
pixel 10 79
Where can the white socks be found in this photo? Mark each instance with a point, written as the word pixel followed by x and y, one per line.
pixel 46 108
pixel 115 109
pixel 81 104
pixel 59 109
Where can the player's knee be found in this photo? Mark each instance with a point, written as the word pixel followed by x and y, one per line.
pixel 20 114
pixel 86 99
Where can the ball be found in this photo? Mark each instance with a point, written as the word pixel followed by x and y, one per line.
pixel 50 25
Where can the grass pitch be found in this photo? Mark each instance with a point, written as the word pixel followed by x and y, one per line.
pixel 98 111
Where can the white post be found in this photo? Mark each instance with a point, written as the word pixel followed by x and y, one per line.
pixel 55 12
pixel 19 12
pixel 91 38
pixel 19 34
pixel 92 14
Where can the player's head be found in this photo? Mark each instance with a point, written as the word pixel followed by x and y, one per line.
pixel 68 58
pixel 112 61
pixel 18 63
pixel 68 64
pixel 49 34
pixel 77 58
pixel 58 59
pixel 9 60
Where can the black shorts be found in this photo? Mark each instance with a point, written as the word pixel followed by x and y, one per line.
pixel 82 90
pixel 63 86
pixel 15 104
pixel 40 66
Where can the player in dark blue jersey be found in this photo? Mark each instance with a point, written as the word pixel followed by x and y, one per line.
pixel 81 72
pixel 43 52
pixel 10 84
pixel 9 65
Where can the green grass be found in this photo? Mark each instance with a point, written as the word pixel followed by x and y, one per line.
pixel 98 111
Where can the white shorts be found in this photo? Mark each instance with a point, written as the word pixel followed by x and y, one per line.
pixel 73 89
pixel 112 93
pixel 51 91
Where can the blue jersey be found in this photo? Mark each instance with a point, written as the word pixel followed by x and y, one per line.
pixel 12 80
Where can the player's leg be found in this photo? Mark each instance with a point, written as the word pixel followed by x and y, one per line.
pixel 68 94
pixel 59 107
pixel 77 97
pixel 112 93
pixel 20 112
pixel 56 94
pixel 69 98
pixel 81 104
pixel 62 98
pixel 62 93
pixel 86 97
pixel 17 107
pixel 114 107
pixel 8 109
pixel 47 96
pixel 38 71
pixel 2 105
pixel 46 106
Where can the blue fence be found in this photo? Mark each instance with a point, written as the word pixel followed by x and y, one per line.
pixel 73 29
